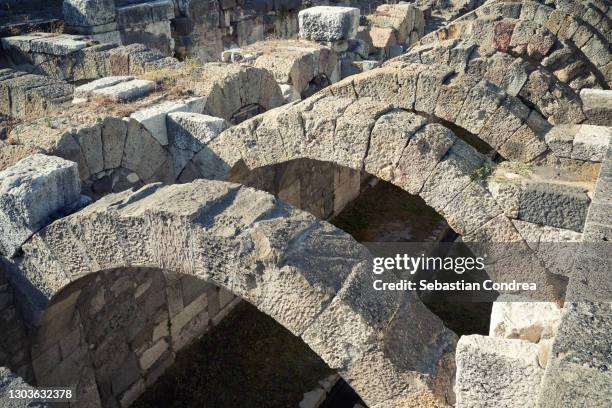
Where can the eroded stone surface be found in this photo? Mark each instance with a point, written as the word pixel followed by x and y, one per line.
pixel 494 371
pixel 298 254
pixel 324 23
pixel 530 321
pixel 33 190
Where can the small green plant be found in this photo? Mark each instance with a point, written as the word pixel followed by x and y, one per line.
pixel 481 173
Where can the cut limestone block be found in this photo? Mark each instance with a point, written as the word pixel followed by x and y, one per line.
pixel 87 13
pixel 60 45
pixel 597 106
pixel 192 131
pixel 494 372
pixel 127 91
pixel 153 118
pixel 85 90
pixel 400 17
pixel 555 205
pixel 383 37
pixel 578 367
pixel 31 192
pixel 188 133
pixel 591 143
pixel 325 23
pixel 530 321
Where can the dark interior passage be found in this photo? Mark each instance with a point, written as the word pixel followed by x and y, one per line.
pixel 248 360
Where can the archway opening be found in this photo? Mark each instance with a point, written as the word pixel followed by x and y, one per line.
pixel 146 337
pixel 317 83
pixel 246 112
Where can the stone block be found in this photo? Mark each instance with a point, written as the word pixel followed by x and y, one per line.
pixel 89 12
pixel 114 132
pixel 189 312
pixel 554 205
pixel 496 372
pixel 325 23
pixel 127 91
pixel 591 143
pixel 399 17
pixel 578 368
pixel 134 15
pixel 313 399
pixel 31 192
pixel 192 131
pixel 132 394
pixel 150 356
pixel 529 321
pixel 154 118
pixel 138 142
pixel 61 45
pixel 85 90
pixel 560 139
pixel 193 288
pixel 597 106
pixel 383 37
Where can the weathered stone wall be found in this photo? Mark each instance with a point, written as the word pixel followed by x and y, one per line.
pixel 204 28
pixel 14 342
pixel 75 58
pixel 148 23
pixel 121 329
pixel 25 96
pixel 321 188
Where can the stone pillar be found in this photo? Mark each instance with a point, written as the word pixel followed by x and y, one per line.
pixel 90 16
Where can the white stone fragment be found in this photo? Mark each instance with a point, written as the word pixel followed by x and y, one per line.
pixel 313 398
pixel 86 89
pixel 31 192
pixel 591 143
pixel 153 118
pixel 127 91
pixel 530 321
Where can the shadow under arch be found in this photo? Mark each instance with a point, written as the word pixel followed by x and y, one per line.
pixel 309 276
pixel 118 331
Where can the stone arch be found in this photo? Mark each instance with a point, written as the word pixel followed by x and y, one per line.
pixel 112 333
pixel 592 12
pixel 366 134
pixel 460 100
pixel 532 84
pixel 283 261
pixel 112 153
pixel 592 40
pixel 232 87
pixel 423 158
pixel 531 40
